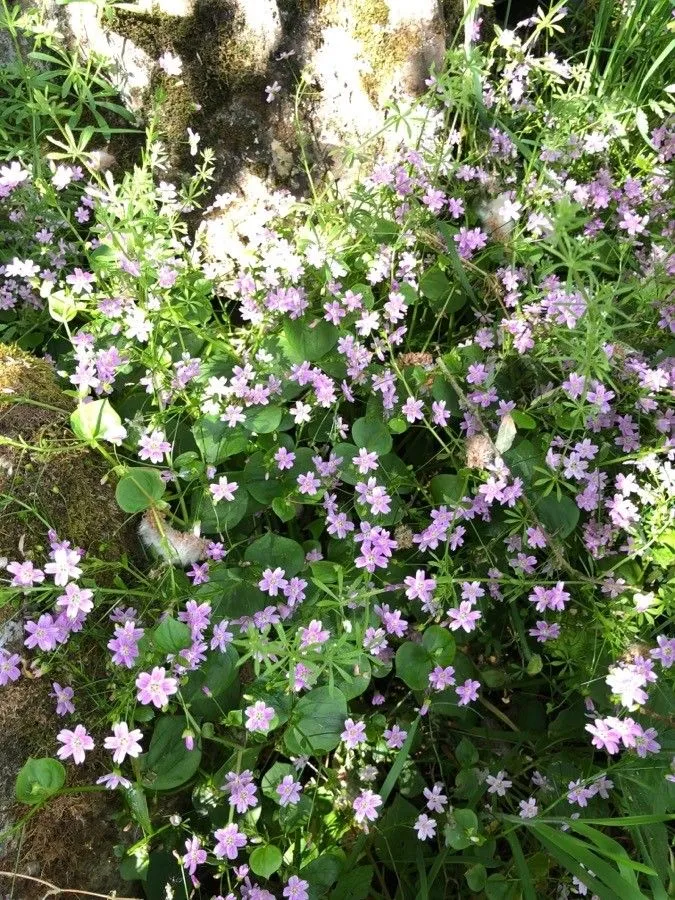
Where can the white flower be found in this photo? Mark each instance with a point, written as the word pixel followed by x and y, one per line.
pixel 193 141
pixel 170 64
pixel 272 90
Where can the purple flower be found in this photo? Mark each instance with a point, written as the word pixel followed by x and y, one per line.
pixel 75 743
pixel 289 791
pixel 354 734
pixel 241 789
pixel 124 742
pixel 113 780
pixel 579 793
pixel 442 678
pixel 124 646
pixel 467 692
pixel 155 687
pixel 44 633
pixel 313 634
pixel 308 483
pixel 469 240
pixel 395 737
pixel 63 698
pixel 545 631
pixel 419 587
pixel 221 636
pixel 229 841
pixel 528 808
pixel 366 805
pixel 296 889
pixel 198 574
pixel 465 617
pixel 284 458
pixel 273 581
pixel 194 856
pixel 9 667
pixel 259 716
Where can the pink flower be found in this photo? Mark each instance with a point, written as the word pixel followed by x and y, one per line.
pixel 465 617
pixel 289 791
pixel 124 742
pixel 229 841
pixel 75 600
pixel 194 857
pixel 25 574
pixel 296 889
pixel 224 490
pixel 63 698
pixel 9 667
pixel 353 734
pixel 273 581
pixel 366 805
pixel 75 743
pixel 259 716
pixel 442 678
pixel 425 827
pixel 155 687
pixel 154 447
pixel 467 692
pixel 313 634
pixel 395 737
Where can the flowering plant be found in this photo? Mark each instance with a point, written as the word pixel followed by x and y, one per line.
pixel 404 475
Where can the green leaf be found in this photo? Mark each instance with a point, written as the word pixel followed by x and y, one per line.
pixel 165 878
pixel 216 441
pixel 273 551
pixel 284 508
pixel 273 778
pixel 168 763
pixel 39 779
pixel 434 284
pixel 413 665
pixel 216 518
pixel 171 636
pixel 139 807
pixel 264 861
pixel 535 665
pixel 323 871
pixel 92 421
pixel 372 434
pixel 476 877
pixel 576 856
pixel 524 875
pixel 466 753
pixel 462 826
pixel 302 342
pixel 317 722
pixel 506 434
pixel 219 674
pixel 354 885
pixel 447 488
pixel 440 643
pixel 265 420
pixel 559 516
pixel 139 490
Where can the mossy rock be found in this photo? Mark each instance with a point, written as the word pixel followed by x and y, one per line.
pixel 47 480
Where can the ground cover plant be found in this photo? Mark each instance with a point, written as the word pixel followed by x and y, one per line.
pixel 402 625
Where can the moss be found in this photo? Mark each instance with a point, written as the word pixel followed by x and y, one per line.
pixel 46 479
pixel 216 60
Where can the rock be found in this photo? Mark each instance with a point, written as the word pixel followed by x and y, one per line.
pixel 131 66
